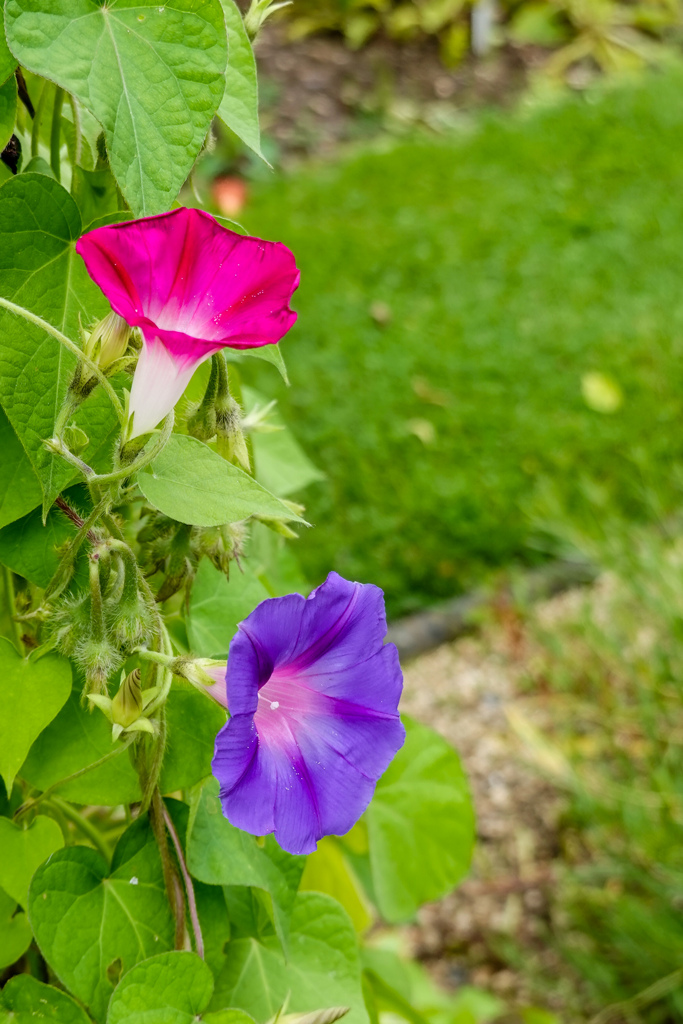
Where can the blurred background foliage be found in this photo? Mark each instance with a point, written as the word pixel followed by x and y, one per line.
pixel 616 35
pixel 480 314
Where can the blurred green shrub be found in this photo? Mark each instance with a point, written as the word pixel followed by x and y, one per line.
pixel 614 35
pixel 360 20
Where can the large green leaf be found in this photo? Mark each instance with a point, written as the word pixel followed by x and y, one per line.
pixel 172 988
pixel 88 921
pixel 23 851
pixel 218 604
pixel 420 825
pixel 32 549
pixel 192 720
pixel 152 74
pixel 220 854
pixel 32 692
pixel 75 739
pixel 239 106
pixel 7 61
pixel 15 933
pixel 322 969
pixel 192 484
pixel 78 737
pixel 8 110
pixel 28 1000
pixel 20 489
pixel 40 271
pixel 281 464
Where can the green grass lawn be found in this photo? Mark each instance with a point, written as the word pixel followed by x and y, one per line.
pixel 514 259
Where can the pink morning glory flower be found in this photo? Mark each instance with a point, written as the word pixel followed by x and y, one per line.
pixel 192 287
pixel 313 695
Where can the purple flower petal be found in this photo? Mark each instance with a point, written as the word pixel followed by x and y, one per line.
pixel 313 695
pixel 192 287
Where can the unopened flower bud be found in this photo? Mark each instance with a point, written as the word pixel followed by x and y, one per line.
pixel 108 340
pixel 206 674
pixel 75 439
pixel 127 705
pixel 98 659
pixel 258 11
pixel 229 435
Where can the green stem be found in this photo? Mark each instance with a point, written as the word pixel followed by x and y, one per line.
pixel 76 114
pixel 56 134
pixel 62 576
pixel 73 348
pixel 187 879
pixel 70 778
pixel 82 823
pixel 35 130
pixel 173 887
pixel 147 455
pixel 12 606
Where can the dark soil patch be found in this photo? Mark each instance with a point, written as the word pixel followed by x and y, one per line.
pixel 316 93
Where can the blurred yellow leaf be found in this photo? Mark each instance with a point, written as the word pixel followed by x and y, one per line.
pixel 601 392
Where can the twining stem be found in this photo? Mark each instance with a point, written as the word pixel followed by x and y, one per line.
pixel 72 347
pixel 56 134
pixel 173 885
pixel 189 888
pixel 148 454
pixel 61 577
pixel 82 823
pixel 73 515
pixel 46 794
pixel 12 606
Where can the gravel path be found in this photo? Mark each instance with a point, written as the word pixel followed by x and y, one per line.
pixel 499 918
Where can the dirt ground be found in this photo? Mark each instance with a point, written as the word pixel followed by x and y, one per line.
pixel 316 94
pixel 500 918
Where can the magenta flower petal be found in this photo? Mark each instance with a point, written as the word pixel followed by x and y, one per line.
pixel 192 287
pixel 313 696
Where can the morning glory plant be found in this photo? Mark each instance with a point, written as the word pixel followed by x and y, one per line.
pixel 208 794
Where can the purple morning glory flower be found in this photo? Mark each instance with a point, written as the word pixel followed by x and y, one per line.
pixel 313 696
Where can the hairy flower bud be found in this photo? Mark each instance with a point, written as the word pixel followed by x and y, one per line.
pixel 108 340
pixel 98 659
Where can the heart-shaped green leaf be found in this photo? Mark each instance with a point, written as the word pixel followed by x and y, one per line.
pixel 15 931
pixel 89 922
pixel 40 271
pixel 20 489
pixel 32 549
pixel 23 851
pixel 192 484
pixel 322 968
pixel 172 988
pixel 239 106
pixel 32 691
pixel 8 110
pixel 220 854
pixel 152 74
pixel 28 1000
pixel 79 737
pixel 217 605
pixel 420 825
